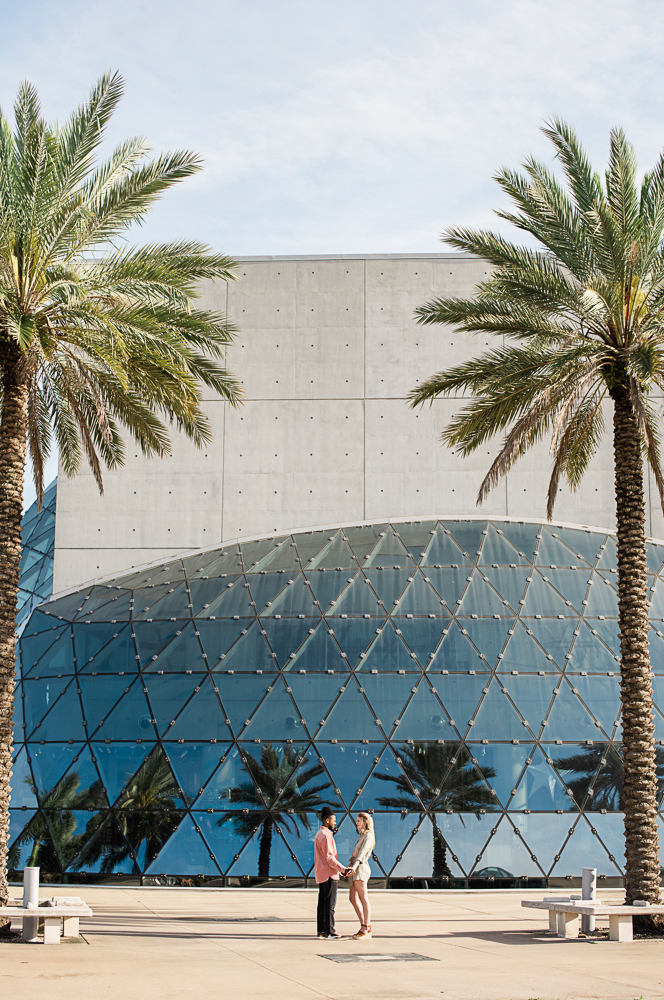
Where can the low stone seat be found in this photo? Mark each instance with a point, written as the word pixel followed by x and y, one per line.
pixel 564 915
pixel 61 917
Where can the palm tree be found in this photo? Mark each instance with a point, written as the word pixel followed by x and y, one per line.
pixel 580 321
pixel 94 333
pixel 599 775
pixel 437 777
pixel 279 797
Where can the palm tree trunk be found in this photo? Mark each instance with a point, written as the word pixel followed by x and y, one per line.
pixel 640 781
pixel 265 848
pixel 12 466
pixel 440 865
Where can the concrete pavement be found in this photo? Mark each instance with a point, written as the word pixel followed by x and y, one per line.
pixel 161 944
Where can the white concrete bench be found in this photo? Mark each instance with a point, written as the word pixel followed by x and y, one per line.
pixel 564 915
pixel 60 915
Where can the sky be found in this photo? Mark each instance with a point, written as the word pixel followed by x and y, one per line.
pixel 331 126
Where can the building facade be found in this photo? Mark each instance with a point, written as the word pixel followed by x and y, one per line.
pixel 313 611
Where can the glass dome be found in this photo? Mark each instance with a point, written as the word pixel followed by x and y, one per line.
pixel 460 678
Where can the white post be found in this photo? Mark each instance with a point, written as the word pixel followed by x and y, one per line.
pixel 30 902
pixel 588 891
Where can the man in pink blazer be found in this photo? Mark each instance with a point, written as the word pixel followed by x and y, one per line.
pixel 328 869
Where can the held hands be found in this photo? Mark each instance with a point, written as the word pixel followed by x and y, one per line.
pixel 348 872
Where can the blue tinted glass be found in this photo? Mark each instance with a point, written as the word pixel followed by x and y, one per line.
pixel 89 640
pixel 509 582
pixel 424 718
pixel 152 637
pixel 49 764
pixel 264 589
pixel 318 653
pixel 59 659
pixel 183 652
pixel 68 606
pixel 466 834
pixel 336 554
pixel 250 652
pixel 193 763
pixel 388 695
pixel 203 592
pixel 117 655
pixel 416 536
pixel 488 634
pixel 355 634
pixel 422 635
pixel 509 852
pixel 21 783
pixel 522 536
pixel 227 562
pixel 554 634
pixel 496 549
pixel 468 534
pixel 230 783
pixel 387 583
pixel 540 787
pixel 98 696
pixel 34 646
pixel 602 697
pixel 496 718
pixel 357 599
pixel 348 765
pixel 63 720
pixel 583 844
pixel 589 653
pixel 185 852
pixel 327 584
pixel 199 565
pixel 168 694
pixel 285 636
pixel 309 544
pixel 389 551
pixel 351 718
pixel 584 543
pixel 414 856
pixel 502 766
pixel 387 781
pixel 443 551
pixel 201 718
pixel 572 584
pixel 542 599
pixel 117 764
pixel 455 652
pixel 551 551
pixel 532 695
pixel 568 719
pixel 218 636
pixel 389 652
pixel 522 653
pixel 226 836
pixel 118 609
pixel 363 539
pixel 479 594
pixel 130 719
pixel 296 599
pixel 233 600
pixel 602 598
pixel 460 694
pixel 448 583
pixel 313 694
pixel 97 598
pixel 283 556
pixel 419 598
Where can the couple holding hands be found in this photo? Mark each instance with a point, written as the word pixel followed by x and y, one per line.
pixel 328 869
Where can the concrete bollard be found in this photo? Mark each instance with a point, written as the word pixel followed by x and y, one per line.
pixel 589 892
pixel 30 902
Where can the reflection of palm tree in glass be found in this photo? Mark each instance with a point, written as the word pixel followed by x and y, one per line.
pixel 438 777
pixel 147 813
pixel 279 797
pixel 52 830
pixel 599 777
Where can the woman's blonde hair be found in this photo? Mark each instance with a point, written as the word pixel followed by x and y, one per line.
pixel 368 825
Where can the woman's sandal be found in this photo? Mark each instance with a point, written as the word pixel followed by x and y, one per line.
pixel 363 932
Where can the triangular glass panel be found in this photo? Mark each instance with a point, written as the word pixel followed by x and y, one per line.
pixel 64 721
pixel 571 584
pixel 443 551
pixel 182 653
pixel 286 636
pixel 568 719
pixel 146 598
pixel 465 834
pixel 337 554
pixel 594 775
pixel 246 861
pixel 230 786
pixel 327 584
pixel 542 599
pixel 21 843
pixel 153 637
pixel 131 718
pixel 281 772
pixel 608 632
pixel 253 552
pixel 455 652
pixel 388 695
pixel 387 787
pixel 507 852
pixel 233 600
pixel 657 600
pixel 522 652
pixel 351 718
pixel 89 640
pixel 357 599
pixel 488 634
pixel 225 836
pixel 118 609
pixel 390 551
pixel 348 765
pixel 468 534
pixel 319 653
pixel 168 694
pixel 609 554
pixel 522 536
pixel 98 696
pixel 419 599
pixel 585 544
pixel 496 719
pixel 59 660
pixel 22 794
pixel 416 536
pixel 602 696
pixel 71 832
pixel 654 556
pixel 480 595
pixel 602 598
pixel 282 557
pixel 460 694
pixel 198 565
pixel 611 831
pixel 185 853
pixel 250 653
pixel 551 551
pixel 354 635
pixel 388 652
pixel 415 858
pixel 67 607
pixel 217 637
pixel 202 593
pixel 118 763
pixel 201 717
pixel 424 719
pixel 388 583
pixel 532 695
pixel 449 583
pixel 286 840
pixel 240 694
pixel 502 766
pixel 33 647
pixel 193 763
pixel 497 551
pixel 363 539
pixel 50 763
pixel 309 544
pixel 540 789
pixel 276 718
pixel 41 621
pixel 264 589
pixel 313 695
pixel 554 634
pixel 224 563
pixel 295 599
pixel 583 849
pixel 422 635
pixel 117 655
pixel 589 653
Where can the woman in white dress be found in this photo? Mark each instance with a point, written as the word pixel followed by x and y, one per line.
pixel 358 873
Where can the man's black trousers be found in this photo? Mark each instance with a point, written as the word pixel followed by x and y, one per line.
pixel 327 900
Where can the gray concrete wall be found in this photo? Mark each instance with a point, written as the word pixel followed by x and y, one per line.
pixel 327 351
